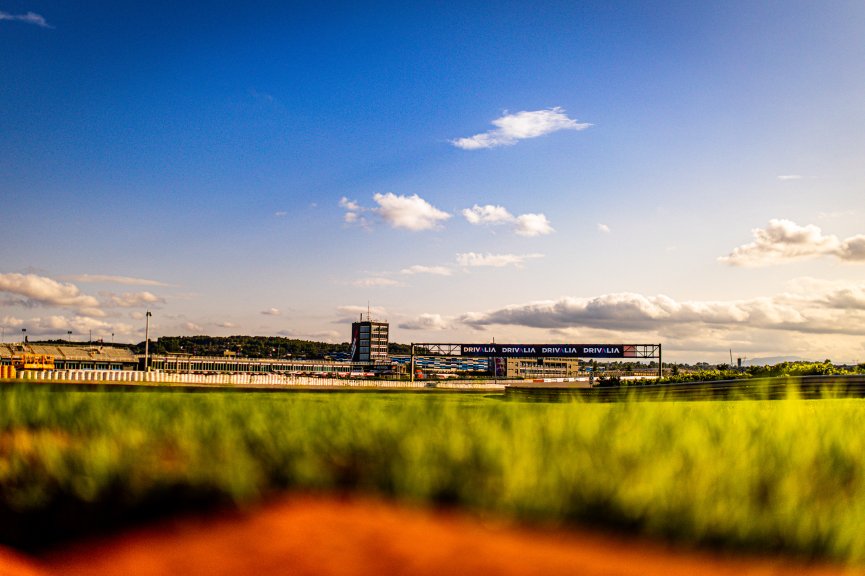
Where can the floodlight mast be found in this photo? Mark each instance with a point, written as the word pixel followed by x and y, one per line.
pixel 147 341
pixel 412 363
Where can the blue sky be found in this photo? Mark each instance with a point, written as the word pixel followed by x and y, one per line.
pixel 676 172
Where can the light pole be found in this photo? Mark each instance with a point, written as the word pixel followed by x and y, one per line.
pixel 147 341
pixel 69 336
pixel 24 334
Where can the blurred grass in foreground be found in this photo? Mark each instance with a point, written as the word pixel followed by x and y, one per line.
pixel 763 475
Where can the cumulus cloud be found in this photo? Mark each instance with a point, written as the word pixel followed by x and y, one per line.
pixel 852 249
pixel 523 225
pixel 511 128
pixel 488 214
pixel 434 270
pixel 32 290
pixel 408 212
pixel 29 18
pixel 353 212
pixel 603 228
pixel 131 299
pixel 271 312
pixel 398 211
pixel 474 259
pixel 426 322
pixel 784 240
pixel 832 310
pixel 533 225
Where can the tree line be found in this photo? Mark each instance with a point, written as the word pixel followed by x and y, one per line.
pixel 253 347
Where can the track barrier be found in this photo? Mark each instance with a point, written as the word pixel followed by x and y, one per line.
pixel 132 378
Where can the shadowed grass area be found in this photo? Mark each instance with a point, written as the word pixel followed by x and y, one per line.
pixel 765 475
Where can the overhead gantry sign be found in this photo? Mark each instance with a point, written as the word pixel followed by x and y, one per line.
pixel 635 351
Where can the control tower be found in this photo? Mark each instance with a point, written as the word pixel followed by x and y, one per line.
pixel 369 341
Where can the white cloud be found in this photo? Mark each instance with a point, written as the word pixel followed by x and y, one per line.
pixel 408 212
pixel 131 299
pixel 434 270
pixel 350 205
pixel 355 310
pixel 603 228
pixel 226 325
pixel 375 281
pixel 33 290
pixel 832 310
pixel 354 212
pixel 426 322
pixel 29 18
pixel 785 177
pixel 852 249
pixel 533 225
pixel 193 327
pixel 523 225
pixel 488 214
pixel 271 312
pixel 280 213
pixel 11 322
pixel 784 240
pixel 58 326
pixel 511 128
pixel 474 260
pixel 109 279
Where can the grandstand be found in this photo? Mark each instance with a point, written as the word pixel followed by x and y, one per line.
pixel 74 357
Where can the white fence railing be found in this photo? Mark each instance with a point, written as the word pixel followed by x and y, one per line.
pixel 241 380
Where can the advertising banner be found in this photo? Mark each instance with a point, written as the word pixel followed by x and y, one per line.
pixel 549 350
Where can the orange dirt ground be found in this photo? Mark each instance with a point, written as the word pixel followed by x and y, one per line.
pixel 333 536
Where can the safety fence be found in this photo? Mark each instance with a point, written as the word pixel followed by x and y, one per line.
pixel 157 378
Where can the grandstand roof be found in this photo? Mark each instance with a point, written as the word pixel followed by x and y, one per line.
pixel 85 352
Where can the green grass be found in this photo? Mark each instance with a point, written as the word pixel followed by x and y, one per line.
pixel 764 475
